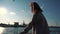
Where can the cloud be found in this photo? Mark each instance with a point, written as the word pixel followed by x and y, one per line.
pixel 24 11
pixel 12 13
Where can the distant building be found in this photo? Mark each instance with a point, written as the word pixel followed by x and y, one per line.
pixel 24 23
pixel 16 23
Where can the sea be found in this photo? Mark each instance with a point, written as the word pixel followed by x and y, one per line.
pixel 17 30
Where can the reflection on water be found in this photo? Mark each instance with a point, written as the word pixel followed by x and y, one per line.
pixel 14 30
pixel 1 30
pixel 10 30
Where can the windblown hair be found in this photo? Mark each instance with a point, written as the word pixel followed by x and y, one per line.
pixel 36 7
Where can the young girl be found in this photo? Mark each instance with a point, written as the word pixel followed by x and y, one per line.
pixel 38 24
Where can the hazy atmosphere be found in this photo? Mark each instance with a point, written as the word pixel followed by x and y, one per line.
pixel 19 10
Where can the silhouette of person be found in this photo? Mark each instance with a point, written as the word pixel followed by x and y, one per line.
pixel 38 24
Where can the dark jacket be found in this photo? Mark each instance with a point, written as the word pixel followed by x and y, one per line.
pixel 38 24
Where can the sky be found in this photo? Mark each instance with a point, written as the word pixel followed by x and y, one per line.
pixel 20 10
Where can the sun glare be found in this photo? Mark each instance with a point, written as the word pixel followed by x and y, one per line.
pixel 3 11
pixel 1 30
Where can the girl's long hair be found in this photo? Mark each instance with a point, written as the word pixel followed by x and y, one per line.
pixel 36 7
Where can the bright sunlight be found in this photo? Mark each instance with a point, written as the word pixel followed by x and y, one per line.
pixel 3 11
